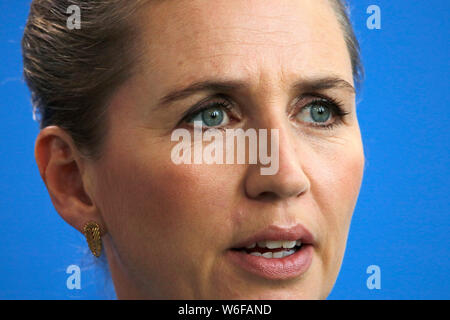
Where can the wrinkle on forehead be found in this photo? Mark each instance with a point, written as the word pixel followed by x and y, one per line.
pixel 251 39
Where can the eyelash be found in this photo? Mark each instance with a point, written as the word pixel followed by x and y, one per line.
pixel 224 103
pixel 335 106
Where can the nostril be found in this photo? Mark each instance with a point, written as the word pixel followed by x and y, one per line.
pixel 271 196
pixel 267 196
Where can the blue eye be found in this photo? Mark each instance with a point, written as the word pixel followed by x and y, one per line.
pixel 214 116
pixel 319 112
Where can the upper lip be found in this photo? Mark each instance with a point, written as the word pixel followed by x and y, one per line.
pixel 274 232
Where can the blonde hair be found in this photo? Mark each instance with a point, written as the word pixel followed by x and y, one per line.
pixel 72 73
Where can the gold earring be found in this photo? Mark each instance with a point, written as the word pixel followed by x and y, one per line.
pixel 91 231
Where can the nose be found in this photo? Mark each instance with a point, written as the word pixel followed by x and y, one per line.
pixel 289 181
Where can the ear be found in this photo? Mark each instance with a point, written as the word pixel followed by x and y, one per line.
pixel 62 168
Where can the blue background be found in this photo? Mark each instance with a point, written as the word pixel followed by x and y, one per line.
pixel 401 222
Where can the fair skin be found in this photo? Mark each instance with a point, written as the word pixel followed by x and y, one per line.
pixel 167 227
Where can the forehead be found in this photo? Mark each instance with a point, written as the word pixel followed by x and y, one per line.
pixel 249 40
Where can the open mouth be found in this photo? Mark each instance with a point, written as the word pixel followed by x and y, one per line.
pixel 272 249
pixel 275 253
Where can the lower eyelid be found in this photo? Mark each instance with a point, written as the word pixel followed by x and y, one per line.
pixel 338 120
pixel 198 113
pixel 338 113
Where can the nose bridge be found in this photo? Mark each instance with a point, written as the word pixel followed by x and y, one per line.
pixel 273 109
pixel 290 163
pixel 289 180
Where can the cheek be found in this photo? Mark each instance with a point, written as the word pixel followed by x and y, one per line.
pixel 160 200
pixel 165 208
pixel 340 186
pixel 335 186
pixel 191 197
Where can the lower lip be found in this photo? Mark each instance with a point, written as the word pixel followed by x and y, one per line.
pixel 277 268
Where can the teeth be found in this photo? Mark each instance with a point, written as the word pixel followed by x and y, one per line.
pixel 271 244
pixel 289 244
pixel 273 255
pixel 274 244
pixel 278 254
pixel 288 253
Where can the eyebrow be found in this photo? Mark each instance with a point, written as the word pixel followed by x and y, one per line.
pixel 307 85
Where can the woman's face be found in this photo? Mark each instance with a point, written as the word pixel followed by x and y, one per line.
pixel 173 228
